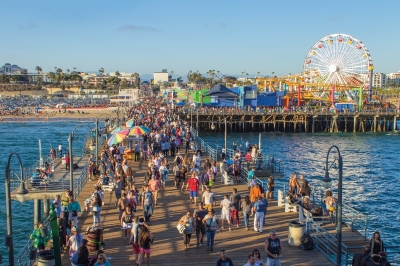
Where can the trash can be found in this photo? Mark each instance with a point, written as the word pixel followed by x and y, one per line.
pixel 45 258
pixel 296 231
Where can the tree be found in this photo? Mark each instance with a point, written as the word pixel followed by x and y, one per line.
pixel 101 71
pixel 38 70
pixel 4 78
pixel 117 74
pixel 137 79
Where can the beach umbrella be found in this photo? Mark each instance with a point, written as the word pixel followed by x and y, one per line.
pixel 118 129
pixel 117 137
pixel 139 130
pixel 130 123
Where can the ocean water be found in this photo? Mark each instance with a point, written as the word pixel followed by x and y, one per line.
pixel 23 138
pixel 370 169
pixel 370 172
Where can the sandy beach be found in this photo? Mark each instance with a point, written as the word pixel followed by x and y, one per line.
pixel 84 114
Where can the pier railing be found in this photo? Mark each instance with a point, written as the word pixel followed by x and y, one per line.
pixel 214 151
pixel 24 256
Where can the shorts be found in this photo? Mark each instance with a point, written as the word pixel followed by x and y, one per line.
pixel 41 246
pixel 135 248
pixel 225 215
pixel 144 251
pixel 207 206
pixel 200 229
pixel 193 194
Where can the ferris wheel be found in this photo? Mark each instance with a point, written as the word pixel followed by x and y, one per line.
pixel 337 59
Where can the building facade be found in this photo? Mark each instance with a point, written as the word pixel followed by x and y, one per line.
pixel 12 69
pixel 379 80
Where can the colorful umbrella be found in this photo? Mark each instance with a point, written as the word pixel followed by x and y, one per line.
pixel 118 129
pixel 130 123
pixel 117 137
pixel 139 130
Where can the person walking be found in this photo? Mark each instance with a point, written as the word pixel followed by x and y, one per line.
pixel 83 254
pixel 198 216
pixel 211 221
pixel 154 186
pixel 226 205
pixel 235 198
pixel 73 209
pixel 126 221
pixel 147 204
pixel 258 211
pixel 208 198
pixel 67 166
pixel 145 239
pixel 97 204
pixel 75 241
pixel 273 248
pixel 193 186
pixel 188 221
pixel 246 207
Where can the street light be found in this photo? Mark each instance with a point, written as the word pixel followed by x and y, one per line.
pixel 71 163
pixel 22 190
pixel 327 183
pixel 97 137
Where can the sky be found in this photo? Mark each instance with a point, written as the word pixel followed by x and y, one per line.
pixel 229 36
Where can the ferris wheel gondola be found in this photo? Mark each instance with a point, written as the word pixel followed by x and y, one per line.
pixel 339 60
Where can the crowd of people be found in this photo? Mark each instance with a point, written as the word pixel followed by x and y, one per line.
pixel 168 152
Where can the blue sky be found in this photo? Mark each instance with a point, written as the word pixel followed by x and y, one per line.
pixel 229 36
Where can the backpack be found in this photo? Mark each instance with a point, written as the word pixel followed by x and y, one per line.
pixel 307 243
pixel 204 179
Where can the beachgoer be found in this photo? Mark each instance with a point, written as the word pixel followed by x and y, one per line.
pixel 235 198
pixel 198 215
pixel 226 205
pixel 145 239
pixel 211 221
pixel 193 186
pixel 208 199
pixel 246 207
pixel 257 258
pixel 74 208
pixel 250 260
pixel 188 221
pixel 39 237
pixel 273 248
pixel 258 211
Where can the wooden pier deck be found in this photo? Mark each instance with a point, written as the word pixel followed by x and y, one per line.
pixel 168 247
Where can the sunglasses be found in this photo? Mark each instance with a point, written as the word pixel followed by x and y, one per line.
pixel 273 234
pixel 100 258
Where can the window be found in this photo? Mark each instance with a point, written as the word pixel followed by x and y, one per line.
pixel 214 99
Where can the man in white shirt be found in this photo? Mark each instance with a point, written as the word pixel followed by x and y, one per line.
pixel 226 205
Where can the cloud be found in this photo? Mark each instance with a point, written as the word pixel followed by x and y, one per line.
pixel 137 28
pixel 27 26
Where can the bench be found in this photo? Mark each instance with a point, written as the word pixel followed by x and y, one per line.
pixel 284 201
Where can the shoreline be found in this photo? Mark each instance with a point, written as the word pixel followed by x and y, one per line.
pixel 54 116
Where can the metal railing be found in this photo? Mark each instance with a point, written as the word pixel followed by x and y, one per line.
pixel 392 253
pixel 23 257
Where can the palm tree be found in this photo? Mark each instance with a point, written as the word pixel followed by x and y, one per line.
pixel 117 74
pixel 38 70
pixel 137 79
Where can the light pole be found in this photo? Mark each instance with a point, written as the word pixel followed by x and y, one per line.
pixel 97 137
pixel 327 183
pixel 22 190
pixel 71 160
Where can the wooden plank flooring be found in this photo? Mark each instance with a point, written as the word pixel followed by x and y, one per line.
pixel 168 247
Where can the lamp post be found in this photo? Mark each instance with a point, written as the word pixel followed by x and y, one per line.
pixel 22 190
pixel 71 163
pixel 327 183
pixel 97 137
